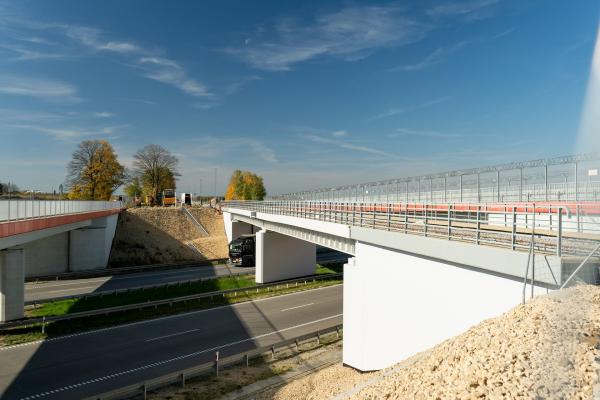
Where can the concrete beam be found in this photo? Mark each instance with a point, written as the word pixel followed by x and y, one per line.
pixel 283 257
pixel 23 238
pixel 397 304
pixel 12 284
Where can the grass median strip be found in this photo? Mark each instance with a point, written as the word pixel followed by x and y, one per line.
pixel 54 329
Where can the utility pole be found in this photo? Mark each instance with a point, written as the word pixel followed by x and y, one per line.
pixel 215 184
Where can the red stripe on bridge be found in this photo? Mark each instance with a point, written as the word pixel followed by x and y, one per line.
pixel 12 228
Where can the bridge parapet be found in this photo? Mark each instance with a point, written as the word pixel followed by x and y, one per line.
pixel 553 228
pixel 18 210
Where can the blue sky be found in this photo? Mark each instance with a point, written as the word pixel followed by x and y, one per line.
pixel 307 94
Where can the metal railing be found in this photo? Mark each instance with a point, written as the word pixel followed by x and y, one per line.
pixel 567 178
pixel 193 219
pixel 16 210
pixel 170 301
pixel 181 376
pixel 114 292
pixel 559 229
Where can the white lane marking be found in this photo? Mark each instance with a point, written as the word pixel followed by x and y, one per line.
pixel 119 278
pixel 148 321
pixel 158 363
pixel 293 308
pixel 171 335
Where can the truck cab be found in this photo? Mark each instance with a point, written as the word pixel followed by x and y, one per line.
pixel 242 251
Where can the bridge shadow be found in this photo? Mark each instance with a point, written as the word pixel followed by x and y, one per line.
pixel 139 242
pixel 89 356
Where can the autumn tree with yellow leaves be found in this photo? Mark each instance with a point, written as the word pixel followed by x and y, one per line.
pixel 94 172
pixel 244 185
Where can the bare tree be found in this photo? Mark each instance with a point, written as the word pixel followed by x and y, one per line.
pixel 156 167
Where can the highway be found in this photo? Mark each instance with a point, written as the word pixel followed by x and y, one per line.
pixel 87 364
pixel 52 289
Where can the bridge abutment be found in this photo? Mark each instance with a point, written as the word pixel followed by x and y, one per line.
pixel 235 229
pixel 397 304
pixel 89 247
pixel 283 257
pixel 12 281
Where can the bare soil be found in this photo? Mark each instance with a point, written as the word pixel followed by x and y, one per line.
pixel 156 235
pixel 546 349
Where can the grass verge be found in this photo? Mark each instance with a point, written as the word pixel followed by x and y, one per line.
pixel 59 328
pixel 70 306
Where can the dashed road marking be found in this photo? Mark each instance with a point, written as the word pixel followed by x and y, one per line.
pixel 178 358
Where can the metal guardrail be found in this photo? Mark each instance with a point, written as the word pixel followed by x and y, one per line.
pixel 17 210
pixel 569 229
pixel 180 377
pixel 566 178
pixel 125 270
pixel 170 301
pixel 102 293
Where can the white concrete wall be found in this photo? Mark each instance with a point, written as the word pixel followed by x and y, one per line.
pixel 283 257
pixel 397 304
pixel 90 247
pixel 47 256
pixel 12 284
pixel 234 229
pixel 109 235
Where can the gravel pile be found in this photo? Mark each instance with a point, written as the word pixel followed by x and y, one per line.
pixel 548 348
pixel 210 219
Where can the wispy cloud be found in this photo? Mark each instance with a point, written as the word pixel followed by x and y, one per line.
pixel 216 147
pixel 346 145
pixel 21 53
pixel 352 33
pixel 437 56
pixel 67 134
pixel 169 72
pixel 401 110
pixel 400 132
pixel 45 89
pixel 149 61
pixel 154 67
pixel 92 38
pixel 460 8
pixel 207 106
pixel 103 114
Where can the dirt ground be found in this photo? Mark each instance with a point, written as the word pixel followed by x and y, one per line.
pixel 164 235
pixel 546 349
pixel 231 380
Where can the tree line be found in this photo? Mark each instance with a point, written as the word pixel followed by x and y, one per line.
pixel 95 173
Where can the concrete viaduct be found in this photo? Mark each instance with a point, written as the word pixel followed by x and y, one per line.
pixel 40 237
pixel 434 254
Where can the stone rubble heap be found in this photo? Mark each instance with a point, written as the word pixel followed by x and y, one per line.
pixel 548 348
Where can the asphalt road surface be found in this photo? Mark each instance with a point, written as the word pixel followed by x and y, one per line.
pixel 53 289
pixel 88 364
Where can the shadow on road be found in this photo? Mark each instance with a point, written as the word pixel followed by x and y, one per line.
pixel 85 364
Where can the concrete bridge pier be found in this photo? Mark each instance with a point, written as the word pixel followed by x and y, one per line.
pixel 397 304
pixel 12 284
pixel 281 257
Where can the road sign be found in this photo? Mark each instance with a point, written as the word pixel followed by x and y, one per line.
pixel 592 172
